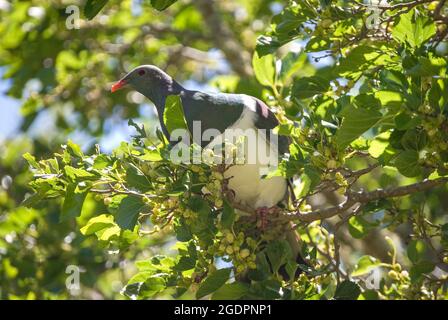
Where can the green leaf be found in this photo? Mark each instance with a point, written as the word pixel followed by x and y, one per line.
pixel 416 250
pixel 405 121
pixel 438 94
pixel 185 263
pixel 231 291
pixel 420 268
pixel 369 295
pixel 140 129
pixel 204 227
pixel 359 227
pixel 427 67
pixel 31 160
pixel 292 63
pixel 278 253
pixel 288 20
pixel 74 149
pixel 73 202
pixel 173 116
pixel 360 58
pixel 365 264
pixel 76 174
pixel 414 139
pixel 228 215
pixel 309 179
pixel 161 5
pixel 108 233
pixel 379 144
pixel 151 155
pixel 389 98
pixel 263 270
pixel 291 268
pixel 356 122
pixel 128 212
pixel 97 223
pixel 413 29
pixel 308 87
pixel 93 7
pixel 347 290
pixel 213 282
pixel 153 285
pixel 101 161
pixel 135 178
pixel 407 163
pixel 267 45
pixel 267 289
pixel 141 277
pixel 317 44
pixel 264 68
pixel 182 231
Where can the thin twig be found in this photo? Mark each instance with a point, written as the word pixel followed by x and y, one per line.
pixel 365 197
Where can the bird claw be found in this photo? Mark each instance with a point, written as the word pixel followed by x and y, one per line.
pixel 262 216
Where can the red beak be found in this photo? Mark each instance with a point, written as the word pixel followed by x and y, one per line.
pixel 118 85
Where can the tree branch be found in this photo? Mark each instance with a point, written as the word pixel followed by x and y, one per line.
pixel 365 197
pixel 224 38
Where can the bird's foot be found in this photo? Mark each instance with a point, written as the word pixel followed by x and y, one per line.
pixel 262 216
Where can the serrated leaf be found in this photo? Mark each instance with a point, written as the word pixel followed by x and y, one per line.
pixel 213 282
pixel 228 215
pixel 308 87
pixel 161 5
pixel 108 233
pixel 414 139
pixel 137 179
pixel 407 163
pixel 416 250
pixel 413 29
pixel 74 149
pixel 151 155
pixel 182 231
pixel 77 173
pixel 379 144
pixel 347 290
pixel 420 268
pixel 128 212
pixel 356 121
pixel 93 7
pixel 365 264
pixel 405 121
pixel 173 115
pixel 97 223
pixel 264 68
pixel 359 227
pixel 231 291
pixel 278 252
pixel 31 160
pixel 73 202
pixel 185 263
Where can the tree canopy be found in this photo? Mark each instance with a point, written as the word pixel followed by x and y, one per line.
pixel 359 88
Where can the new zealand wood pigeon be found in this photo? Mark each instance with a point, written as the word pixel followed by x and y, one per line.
pixel 219 111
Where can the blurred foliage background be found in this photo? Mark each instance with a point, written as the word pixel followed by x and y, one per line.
pixel 325 55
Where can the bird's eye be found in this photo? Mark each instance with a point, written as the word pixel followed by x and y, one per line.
pixel 141 72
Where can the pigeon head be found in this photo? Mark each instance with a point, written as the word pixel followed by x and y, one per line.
pixel 150 81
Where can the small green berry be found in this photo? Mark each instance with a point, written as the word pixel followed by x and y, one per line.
pixel 244 253
pixel 107 201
